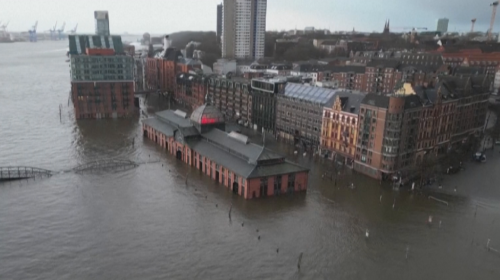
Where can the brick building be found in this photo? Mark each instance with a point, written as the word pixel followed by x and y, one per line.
pixel 233 97
pixel 191 89
pixel 397 131
pixel 382 75
pixel 161 71
pixel 102 77
pixel 339 130
pixel 473 58
pixel 230 159
pixel 388 126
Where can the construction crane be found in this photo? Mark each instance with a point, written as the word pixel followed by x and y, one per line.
pixel 32 32
pixel 73 31
pixel 60 32
pixel 493 15
pixel 473 23
pixel 53 32
pixel 4 28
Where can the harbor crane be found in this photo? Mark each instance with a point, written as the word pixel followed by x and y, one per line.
pixel 60 32
pixel 494 6
pixel 53 32
pixel 73 31
pixel 4 28
pixel 473 23
pixel 32 32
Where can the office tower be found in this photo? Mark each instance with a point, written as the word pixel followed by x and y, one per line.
pixel 219 22
pixel 101 23
pixel 243 28
pixel 442 25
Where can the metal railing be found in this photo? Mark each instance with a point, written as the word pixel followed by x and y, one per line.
pixel 22 172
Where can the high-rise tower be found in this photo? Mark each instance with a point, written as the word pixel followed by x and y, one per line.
pixel 243 28
pixel 219 22
pixel 101 23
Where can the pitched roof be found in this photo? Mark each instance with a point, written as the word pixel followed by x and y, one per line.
pixel 310 94
pixel 376 100
pixel 250 152
pixel 242 159
pixel 276 169
pixel 352 100
pixel 173 119
pixel 160 126
pixel 79 43
pixel 384 63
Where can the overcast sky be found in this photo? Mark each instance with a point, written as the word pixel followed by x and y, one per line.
pixel 166 16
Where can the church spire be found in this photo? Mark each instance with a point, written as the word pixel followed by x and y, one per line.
pixel 386 27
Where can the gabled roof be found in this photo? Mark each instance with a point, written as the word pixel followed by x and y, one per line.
pixel 250 152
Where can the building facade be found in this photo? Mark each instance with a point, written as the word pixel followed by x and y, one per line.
pixel 383 138
pixel 339 129
pixel 102 77
pixel 233 97
pixel 219 23
pixel 442 25
pixel 397 131
pixel 247 169
pixel 299 114
pixel 191 90
pixel 161 71
pixel 382 76
pixel 101 23
pixel 243 28
pixel 264 102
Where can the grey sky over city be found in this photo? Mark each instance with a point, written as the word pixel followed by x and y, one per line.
pixel 166 16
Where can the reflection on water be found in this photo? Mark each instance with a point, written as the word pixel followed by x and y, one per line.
pixel 145 223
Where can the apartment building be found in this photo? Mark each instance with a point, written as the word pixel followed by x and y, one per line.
pixel 339 130
pixel 233 97
pixel 243 28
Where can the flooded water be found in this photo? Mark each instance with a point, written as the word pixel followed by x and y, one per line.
pixel 145 223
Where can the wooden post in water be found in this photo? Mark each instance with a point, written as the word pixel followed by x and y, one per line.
pixel 300 260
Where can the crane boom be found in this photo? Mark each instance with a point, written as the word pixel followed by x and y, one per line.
pixel 493 15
